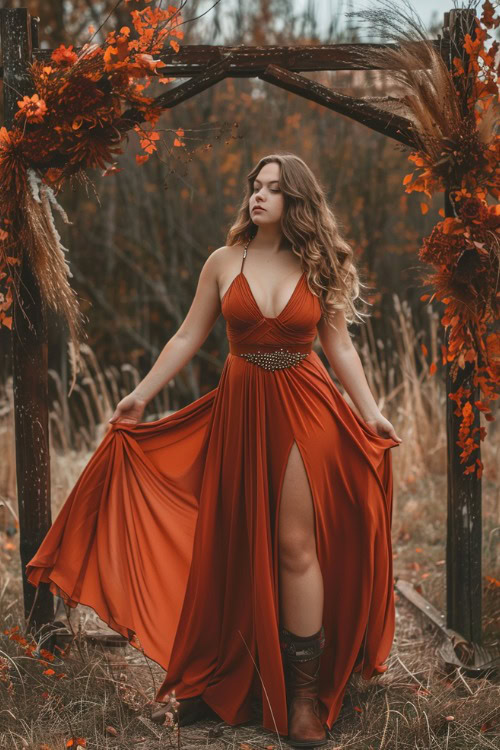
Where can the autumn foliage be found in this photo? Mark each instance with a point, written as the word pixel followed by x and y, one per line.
pixel 75 121
pixel 464 249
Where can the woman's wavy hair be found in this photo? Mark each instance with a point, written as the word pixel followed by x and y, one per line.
pixel 313 233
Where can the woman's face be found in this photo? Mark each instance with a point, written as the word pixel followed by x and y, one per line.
pixel 267 196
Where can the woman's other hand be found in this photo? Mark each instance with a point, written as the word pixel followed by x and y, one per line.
pixel 383 427
pixel 129 410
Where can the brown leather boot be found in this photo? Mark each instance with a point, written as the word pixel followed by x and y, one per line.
pixel 302 657
pixel 189 711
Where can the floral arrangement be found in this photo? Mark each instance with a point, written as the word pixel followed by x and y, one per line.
pixel 454 114
pixel 76 120
pixel 464 249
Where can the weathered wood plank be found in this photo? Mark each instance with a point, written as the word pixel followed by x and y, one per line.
pixel 29 344
pixel 389 124
pixel 464 524
pixel 246 61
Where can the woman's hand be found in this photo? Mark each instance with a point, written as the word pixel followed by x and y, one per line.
pixel 383 427
pixel 129 410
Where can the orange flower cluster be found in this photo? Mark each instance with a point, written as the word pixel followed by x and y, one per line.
pixel 74 120
pixel 464 249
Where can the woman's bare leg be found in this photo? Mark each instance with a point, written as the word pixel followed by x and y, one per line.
pixel 301 582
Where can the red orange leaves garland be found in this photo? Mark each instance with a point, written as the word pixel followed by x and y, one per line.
pixel 453 122
pixel 464 249
pixel 74 122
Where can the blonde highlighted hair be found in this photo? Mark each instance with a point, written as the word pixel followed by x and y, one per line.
pixel 313 234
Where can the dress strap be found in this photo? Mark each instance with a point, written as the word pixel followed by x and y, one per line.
pixel 244 255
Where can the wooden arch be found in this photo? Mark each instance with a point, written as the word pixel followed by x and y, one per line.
pixel 207 65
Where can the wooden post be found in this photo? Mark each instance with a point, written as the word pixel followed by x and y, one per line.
pixel 463 542
pixel 29 350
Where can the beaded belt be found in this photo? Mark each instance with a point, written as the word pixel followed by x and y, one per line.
pixel 271 359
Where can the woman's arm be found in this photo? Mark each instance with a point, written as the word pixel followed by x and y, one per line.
pixel 183 345
pixel 345 362
pixel 344 359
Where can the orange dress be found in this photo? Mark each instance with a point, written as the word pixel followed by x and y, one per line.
pixel 170 532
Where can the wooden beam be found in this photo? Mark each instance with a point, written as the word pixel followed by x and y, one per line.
pixel 389 124
pixel 373 117
pixel 463 539
pixel 455 650
pixel 246 62
pixel 29 342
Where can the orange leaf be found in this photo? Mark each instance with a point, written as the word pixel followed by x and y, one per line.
pixel 408 178
pixel 450 223
pixel 487 725
pixel 467 409
pixel 109 52
pixel 424 349
pixel 432 368
pixel 481 406
pixel 424 207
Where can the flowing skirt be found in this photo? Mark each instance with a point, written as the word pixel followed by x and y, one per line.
pixel 170 535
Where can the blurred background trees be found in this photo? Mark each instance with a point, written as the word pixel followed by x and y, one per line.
pixel 136 248
pixel 137 245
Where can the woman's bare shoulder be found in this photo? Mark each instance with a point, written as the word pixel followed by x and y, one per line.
pixel 224 257
pixel 224 263
pixel 226 252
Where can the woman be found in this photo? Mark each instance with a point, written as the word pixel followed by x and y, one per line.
pixel 244 542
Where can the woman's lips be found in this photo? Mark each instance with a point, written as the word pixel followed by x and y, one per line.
pixel 258 208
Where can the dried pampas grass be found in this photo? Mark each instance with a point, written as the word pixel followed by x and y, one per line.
pixel 429 98
pixel 42 242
